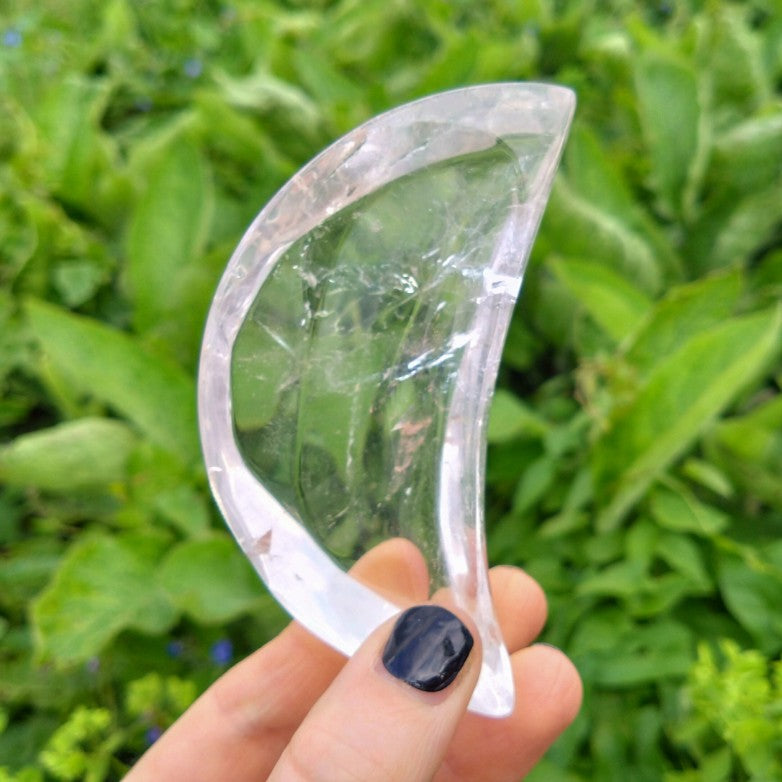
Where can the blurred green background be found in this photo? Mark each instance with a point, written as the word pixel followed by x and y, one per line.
pixel 636 436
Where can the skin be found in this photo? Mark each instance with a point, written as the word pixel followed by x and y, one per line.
pixel 297 711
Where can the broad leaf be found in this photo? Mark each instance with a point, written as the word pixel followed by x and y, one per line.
pixel 104 585
pixel 536 479
pixel 684 556
pixel 669 106
pixel 750 447
pixel 166 237
pixel 616 305
pixel 510 418
pixel 79 155
pixel 683 512
pixel 83 453
pixel 742 155
pixel 682 313
pixel 748 227
pixel 616 652
pixel 682 396
pixel 739 79
pixel 753 597
pixel 584 230
pixel 211 580
pixel 26 570
pixel 185 508
pixel 114 368
pixel 757 435
pixel 595 175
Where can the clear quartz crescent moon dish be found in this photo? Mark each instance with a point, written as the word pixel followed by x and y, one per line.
pixel 352 348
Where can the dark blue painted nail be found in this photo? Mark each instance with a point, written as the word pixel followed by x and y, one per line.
pixel 427 648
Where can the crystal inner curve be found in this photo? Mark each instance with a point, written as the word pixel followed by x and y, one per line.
pixel 343 370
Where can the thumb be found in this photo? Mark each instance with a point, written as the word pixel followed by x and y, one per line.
pixel 391 712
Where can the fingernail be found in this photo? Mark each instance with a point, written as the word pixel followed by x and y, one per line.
pixel 427 648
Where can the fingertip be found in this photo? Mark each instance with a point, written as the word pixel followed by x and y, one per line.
pixel 558 689
pixel 520 605
pixel 396 569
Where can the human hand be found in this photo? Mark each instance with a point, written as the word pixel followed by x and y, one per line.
pixel 298 710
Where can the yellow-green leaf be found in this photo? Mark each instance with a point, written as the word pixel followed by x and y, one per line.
pixel 681 397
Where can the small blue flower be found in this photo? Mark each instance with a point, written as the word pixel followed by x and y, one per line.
pixel 193 68
pixel 143 104
pixel 12 37
pixel 222 651
pixel 92 665
pixel 175 648
pixel 152 735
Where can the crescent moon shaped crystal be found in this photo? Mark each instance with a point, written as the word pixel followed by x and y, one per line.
pixel 352 348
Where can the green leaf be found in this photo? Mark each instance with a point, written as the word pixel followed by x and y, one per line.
pixel 21 743
pixel 211 580
pixel 682 313
pixel 616 305
pixel 27 568
pixel 742 154
pixel 684 556
pixel 259 360
pixel 78 154
pixel 753 597
pixel 682 511
pixel 596 176
pixel 584 230
pixel 628 655
pixel 756 436
pixel 621 579
pixel 738 77
pixel 185 509
pixel 103 586
pixel 166 236
pixel 592 174
pixel 510 418
pixel 750 446
pixel 682 396
pixel 536 479
pixel 88 452
pixel 77 281
pixel 113 367
pixel 263 91
pixel 749 226
pixel 708 476
pixel 669 107
pixel 323 80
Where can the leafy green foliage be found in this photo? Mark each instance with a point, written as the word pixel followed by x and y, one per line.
pixel 78 749
pixel 732 722
pixel 636 437
pixel 88 603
